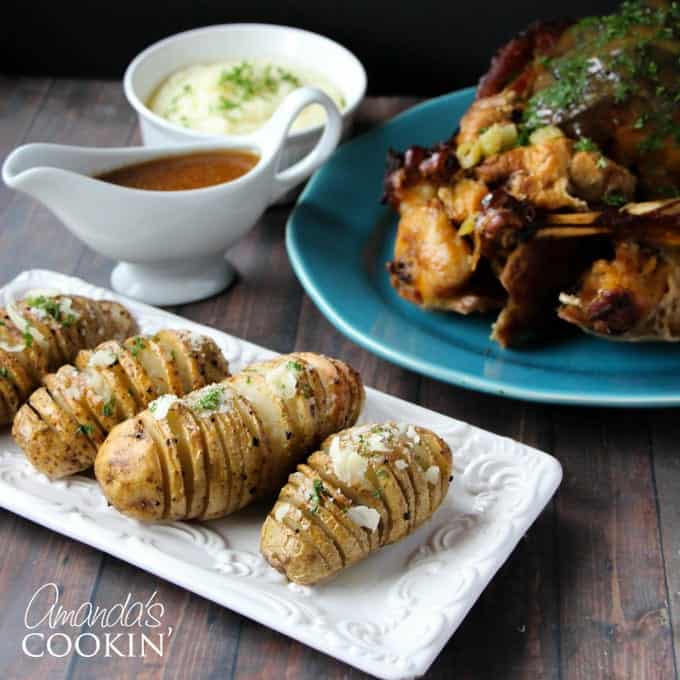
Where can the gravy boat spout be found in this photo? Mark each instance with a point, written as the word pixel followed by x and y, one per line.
pixel 171 244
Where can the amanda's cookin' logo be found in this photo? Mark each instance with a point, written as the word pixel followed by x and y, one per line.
pixel 86 631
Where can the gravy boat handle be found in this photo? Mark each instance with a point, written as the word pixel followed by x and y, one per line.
pixel 273 136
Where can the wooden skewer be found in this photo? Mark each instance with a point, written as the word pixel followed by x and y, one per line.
pixel 572 219
pixel 569 231
pixel 574 225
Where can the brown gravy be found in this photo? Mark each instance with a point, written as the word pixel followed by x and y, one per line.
pixel 189 171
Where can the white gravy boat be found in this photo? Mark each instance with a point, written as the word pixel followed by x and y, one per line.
pixel 170 244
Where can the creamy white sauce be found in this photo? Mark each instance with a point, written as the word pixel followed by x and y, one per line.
pixel 215 398
pixel 98 385
pixel 348 465
pixel 74 392
pixel 66 309
pixel 364 516
pixel 281 511
pixel 283 380
pixel 229 98
pixel 160 407
pixel 432 474
pixel 11 348
pixel 103 357
pixel 24 326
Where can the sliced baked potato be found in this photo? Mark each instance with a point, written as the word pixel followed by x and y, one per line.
pixel 45 331
pixel 227 444
pixel 367 487
pixel 65 421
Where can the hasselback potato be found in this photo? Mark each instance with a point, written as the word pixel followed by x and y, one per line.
pixel 368 486
pixel 44 331
pixel 224 446
pixel 65 421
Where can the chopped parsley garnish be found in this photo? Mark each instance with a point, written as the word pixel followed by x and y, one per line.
pixel 52 307
pixel 317 492
pixel 109 407
pixel 294 366
pixel 523 136
pixel 28 338
pixel 586 144
pixel 602 162
pixel 4 373
pixel 640 122
pixel 289 77
pixel 618 57
pixel 87 429
pixel 614 199
pixel 137 346
pixel 245 81
pixel 377 494
pixel 49 305
pixel 227 104
pixel 211 399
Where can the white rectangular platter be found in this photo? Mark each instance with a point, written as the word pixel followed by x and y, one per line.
pixel 390 615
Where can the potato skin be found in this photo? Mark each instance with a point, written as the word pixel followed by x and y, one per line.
pixel 133 472
pixel 321 512
pixel 64 325
pixel 253 428
pixel 64 422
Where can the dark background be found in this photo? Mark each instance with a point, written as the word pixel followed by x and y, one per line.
pixel 418 47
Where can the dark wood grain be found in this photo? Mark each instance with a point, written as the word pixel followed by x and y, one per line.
pixel 592 591
pixel 614 602
pixel 519 610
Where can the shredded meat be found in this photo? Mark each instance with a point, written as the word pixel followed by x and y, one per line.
pixel 462 199
pixel 430 261
pixel 434 267
pixel 618 295
pixel 553 176
pixel 593 177
pixel 534 274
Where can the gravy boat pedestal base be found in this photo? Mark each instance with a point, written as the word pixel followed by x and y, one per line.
pixel 164 285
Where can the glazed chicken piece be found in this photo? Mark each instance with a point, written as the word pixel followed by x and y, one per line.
pixel 633 296
pixel 434 267
pixel 555 176
pixel 533 276
pixel 574 119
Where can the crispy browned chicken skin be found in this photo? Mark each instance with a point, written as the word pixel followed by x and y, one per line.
pixel 571 122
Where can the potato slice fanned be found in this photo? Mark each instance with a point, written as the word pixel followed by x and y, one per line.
pixel 354 496
pixel 253 428
pixel 43 332
pixel 65 421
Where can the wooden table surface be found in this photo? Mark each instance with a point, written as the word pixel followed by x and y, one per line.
pixel 592 591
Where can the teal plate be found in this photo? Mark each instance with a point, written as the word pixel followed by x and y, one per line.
pixel 339 238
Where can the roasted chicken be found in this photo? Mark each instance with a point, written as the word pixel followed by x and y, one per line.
pixel 532 206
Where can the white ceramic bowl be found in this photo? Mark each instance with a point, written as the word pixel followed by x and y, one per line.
pixel 291 46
